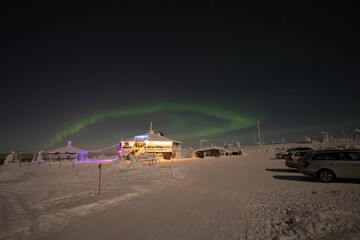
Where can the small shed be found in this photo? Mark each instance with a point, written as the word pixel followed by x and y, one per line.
pixel 68 152
pixel 212 151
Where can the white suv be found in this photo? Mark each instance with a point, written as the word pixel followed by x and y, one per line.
pixel 329 165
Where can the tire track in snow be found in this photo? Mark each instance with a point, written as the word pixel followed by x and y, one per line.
pixel 34 220
pixel 13 208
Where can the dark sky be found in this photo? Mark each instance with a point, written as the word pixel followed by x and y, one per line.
pixel 95 72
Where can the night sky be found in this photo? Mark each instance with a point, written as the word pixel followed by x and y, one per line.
pixel 95 72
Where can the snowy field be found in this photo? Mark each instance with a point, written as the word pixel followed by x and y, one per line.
pixel 254 196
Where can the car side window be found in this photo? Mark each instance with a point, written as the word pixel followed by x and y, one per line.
pixel 341 156
pixel 318 157
pixel 355 156
pixel 301 153
pixel 329 156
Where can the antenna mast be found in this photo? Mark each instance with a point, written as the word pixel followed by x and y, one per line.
pixel 259 133
pixel 151 130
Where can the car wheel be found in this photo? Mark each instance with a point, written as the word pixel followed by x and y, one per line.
pixel 326 176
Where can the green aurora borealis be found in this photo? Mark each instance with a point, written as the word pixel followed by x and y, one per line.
pixel 227 120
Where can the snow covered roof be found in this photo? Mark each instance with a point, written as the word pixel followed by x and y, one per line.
pixel 150 137
pixel 210 148
pixel 67 149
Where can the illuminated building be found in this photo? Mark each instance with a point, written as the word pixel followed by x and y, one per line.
pixel 152 143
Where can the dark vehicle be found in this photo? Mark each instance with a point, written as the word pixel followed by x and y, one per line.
pixel 282 154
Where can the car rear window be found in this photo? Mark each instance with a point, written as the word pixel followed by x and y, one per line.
pixel 301 153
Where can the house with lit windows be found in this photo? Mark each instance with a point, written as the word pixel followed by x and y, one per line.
pixel 151 142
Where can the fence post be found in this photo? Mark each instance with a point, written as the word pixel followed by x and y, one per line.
pixel 99 178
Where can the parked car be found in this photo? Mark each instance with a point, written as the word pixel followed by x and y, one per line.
pixel 291 159
pixel 331 164
pixel 282 154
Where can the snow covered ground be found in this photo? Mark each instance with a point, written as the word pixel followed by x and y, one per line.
pixel 239 197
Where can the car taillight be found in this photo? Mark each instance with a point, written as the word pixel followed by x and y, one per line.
pixel 303 163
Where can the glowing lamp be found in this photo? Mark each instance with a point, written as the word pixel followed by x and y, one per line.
pixel 120 147
pixel 141 137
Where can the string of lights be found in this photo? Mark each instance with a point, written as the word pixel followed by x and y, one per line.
pixel 103 149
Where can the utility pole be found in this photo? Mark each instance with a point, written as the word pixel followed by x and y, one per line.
pixel 342 129
pixel 254 138
pixel 259 132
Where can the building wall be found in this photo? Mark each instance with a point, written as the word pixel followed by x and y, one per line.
pixel 159 147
